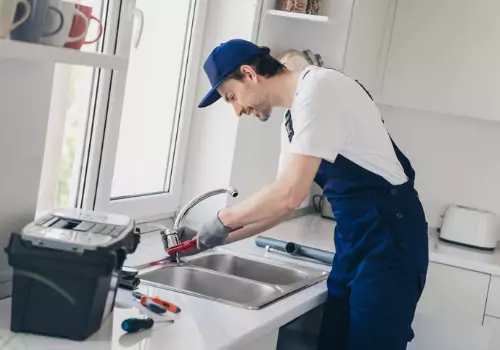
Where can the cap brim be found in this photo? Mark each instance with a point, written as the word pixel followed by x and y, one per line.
pixel 211 97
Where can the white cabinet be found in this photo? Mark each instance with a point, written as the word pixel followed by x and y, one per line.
pixel 493 305
pixel 432 333
pixel 493 325
pixel 444 57
pixel 267 342
pixel 369 36
pixel 454 295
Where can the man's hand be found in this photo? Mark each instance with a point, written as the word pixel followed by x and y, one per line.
pixel 212 234
pixel 185 233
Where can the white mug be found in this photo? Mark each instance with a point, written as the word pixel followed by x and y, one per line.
pixel 7 11
pixel 69 11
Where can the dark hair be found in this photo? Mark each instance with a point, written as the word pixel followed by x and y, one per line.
pixel 265 65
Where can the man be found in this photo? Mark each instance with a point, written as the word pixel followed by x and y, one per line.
pixel 333 135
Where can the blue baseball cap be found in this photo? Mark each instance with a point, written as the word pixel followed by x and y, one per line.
pixel 223 60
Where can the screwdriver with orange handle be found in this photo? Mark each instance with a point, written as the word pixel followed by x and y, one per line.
pixel 144 299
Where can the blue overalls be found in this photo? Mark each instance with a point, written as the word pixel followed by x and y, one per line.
pixel 381 259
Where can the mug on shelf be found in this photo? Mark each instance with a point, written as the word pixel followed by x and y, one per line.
pixel 7 12
pixel 80 25
pixel 298 6
pixel 70 12
pixel 32 29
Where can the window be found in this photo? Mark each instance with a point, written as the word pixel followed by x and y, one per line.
pixel 117 141
pixel 67 135
pixel 152 93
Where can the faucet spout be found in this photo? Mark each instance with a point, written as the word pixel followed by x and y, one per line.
pixel 185 210
pixel 170 236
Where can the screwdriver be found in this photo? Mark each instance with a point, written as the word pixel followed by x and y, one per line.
pixel 160 302
pixel 167 305
pixel 152 305
pixel 133 325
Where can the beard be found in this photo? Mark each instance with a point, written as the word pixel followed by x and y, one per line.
pixel 263 113
pixel 264 117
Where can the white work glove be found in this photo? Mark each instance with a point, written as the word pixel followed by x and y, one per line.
pixel 212 234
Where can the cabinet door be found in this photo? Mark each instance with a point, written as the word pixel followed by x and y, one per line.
pixel 444 57
pixel 369 35
pixel 493 305
pixel 455 295
pixel 493 325
pixel 432 333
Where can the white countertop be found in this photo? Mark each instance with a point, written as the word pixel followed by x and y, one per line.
pixel 202 324
pixel 205 324
pixel 463 257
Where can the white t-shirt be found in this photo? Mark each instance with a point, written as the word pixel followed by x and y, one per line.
pixel 332 115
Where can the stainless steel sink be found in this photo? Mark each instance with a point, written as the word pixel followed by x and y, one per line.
pixel 232 279
pixel 250 269
pixel 209 284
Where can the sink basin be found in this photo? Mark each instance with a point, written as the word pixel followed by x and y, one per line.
pixel 207 283
pixel 231 279
pixel 250 269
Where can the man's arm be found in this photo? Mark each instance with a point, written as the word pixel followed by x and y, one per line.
pixel 254 229
pixel 278 199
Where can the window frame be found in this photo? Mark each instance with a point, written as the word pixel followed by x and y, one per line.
pixel 97 179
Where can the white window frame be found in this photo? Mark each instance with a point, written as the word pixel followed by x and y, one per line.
pixel 97 180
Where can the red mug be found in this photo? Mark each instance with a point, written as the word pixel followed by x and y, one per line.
pixel 78 26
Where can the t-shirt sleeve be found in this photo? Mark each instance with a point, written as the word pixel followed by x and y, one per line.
pixel 319 118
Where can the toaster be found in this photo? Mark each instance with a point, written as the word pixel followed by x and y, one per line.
pixel 470 227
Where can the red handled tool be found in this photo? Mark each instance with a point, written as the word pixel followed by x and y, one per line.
pixel 156 304
pixel 190 244
pixel 150 304
pixel 182 247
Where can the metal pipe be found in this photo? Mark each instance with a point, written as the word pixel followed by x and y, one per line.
pixel 295 249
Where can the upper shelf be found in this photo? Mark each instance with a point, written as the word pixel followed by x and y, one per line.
pixel 313 18
pixel 42 53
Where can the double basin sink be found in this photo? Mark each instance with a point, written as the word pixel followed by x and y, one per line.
pixel 233 279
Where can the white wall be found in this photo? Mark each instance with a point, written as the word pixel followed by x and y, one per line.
pixel 23 124
pixel 256 154
pixel 456 159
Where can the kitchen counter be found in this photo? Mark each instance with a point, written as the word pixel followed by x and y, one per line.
pixel 205 324
pixel 463 257
pixel 202 324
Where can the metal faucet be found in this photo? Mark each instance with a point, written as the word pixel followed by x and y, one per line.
pixel 170 236
pixel 184 211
